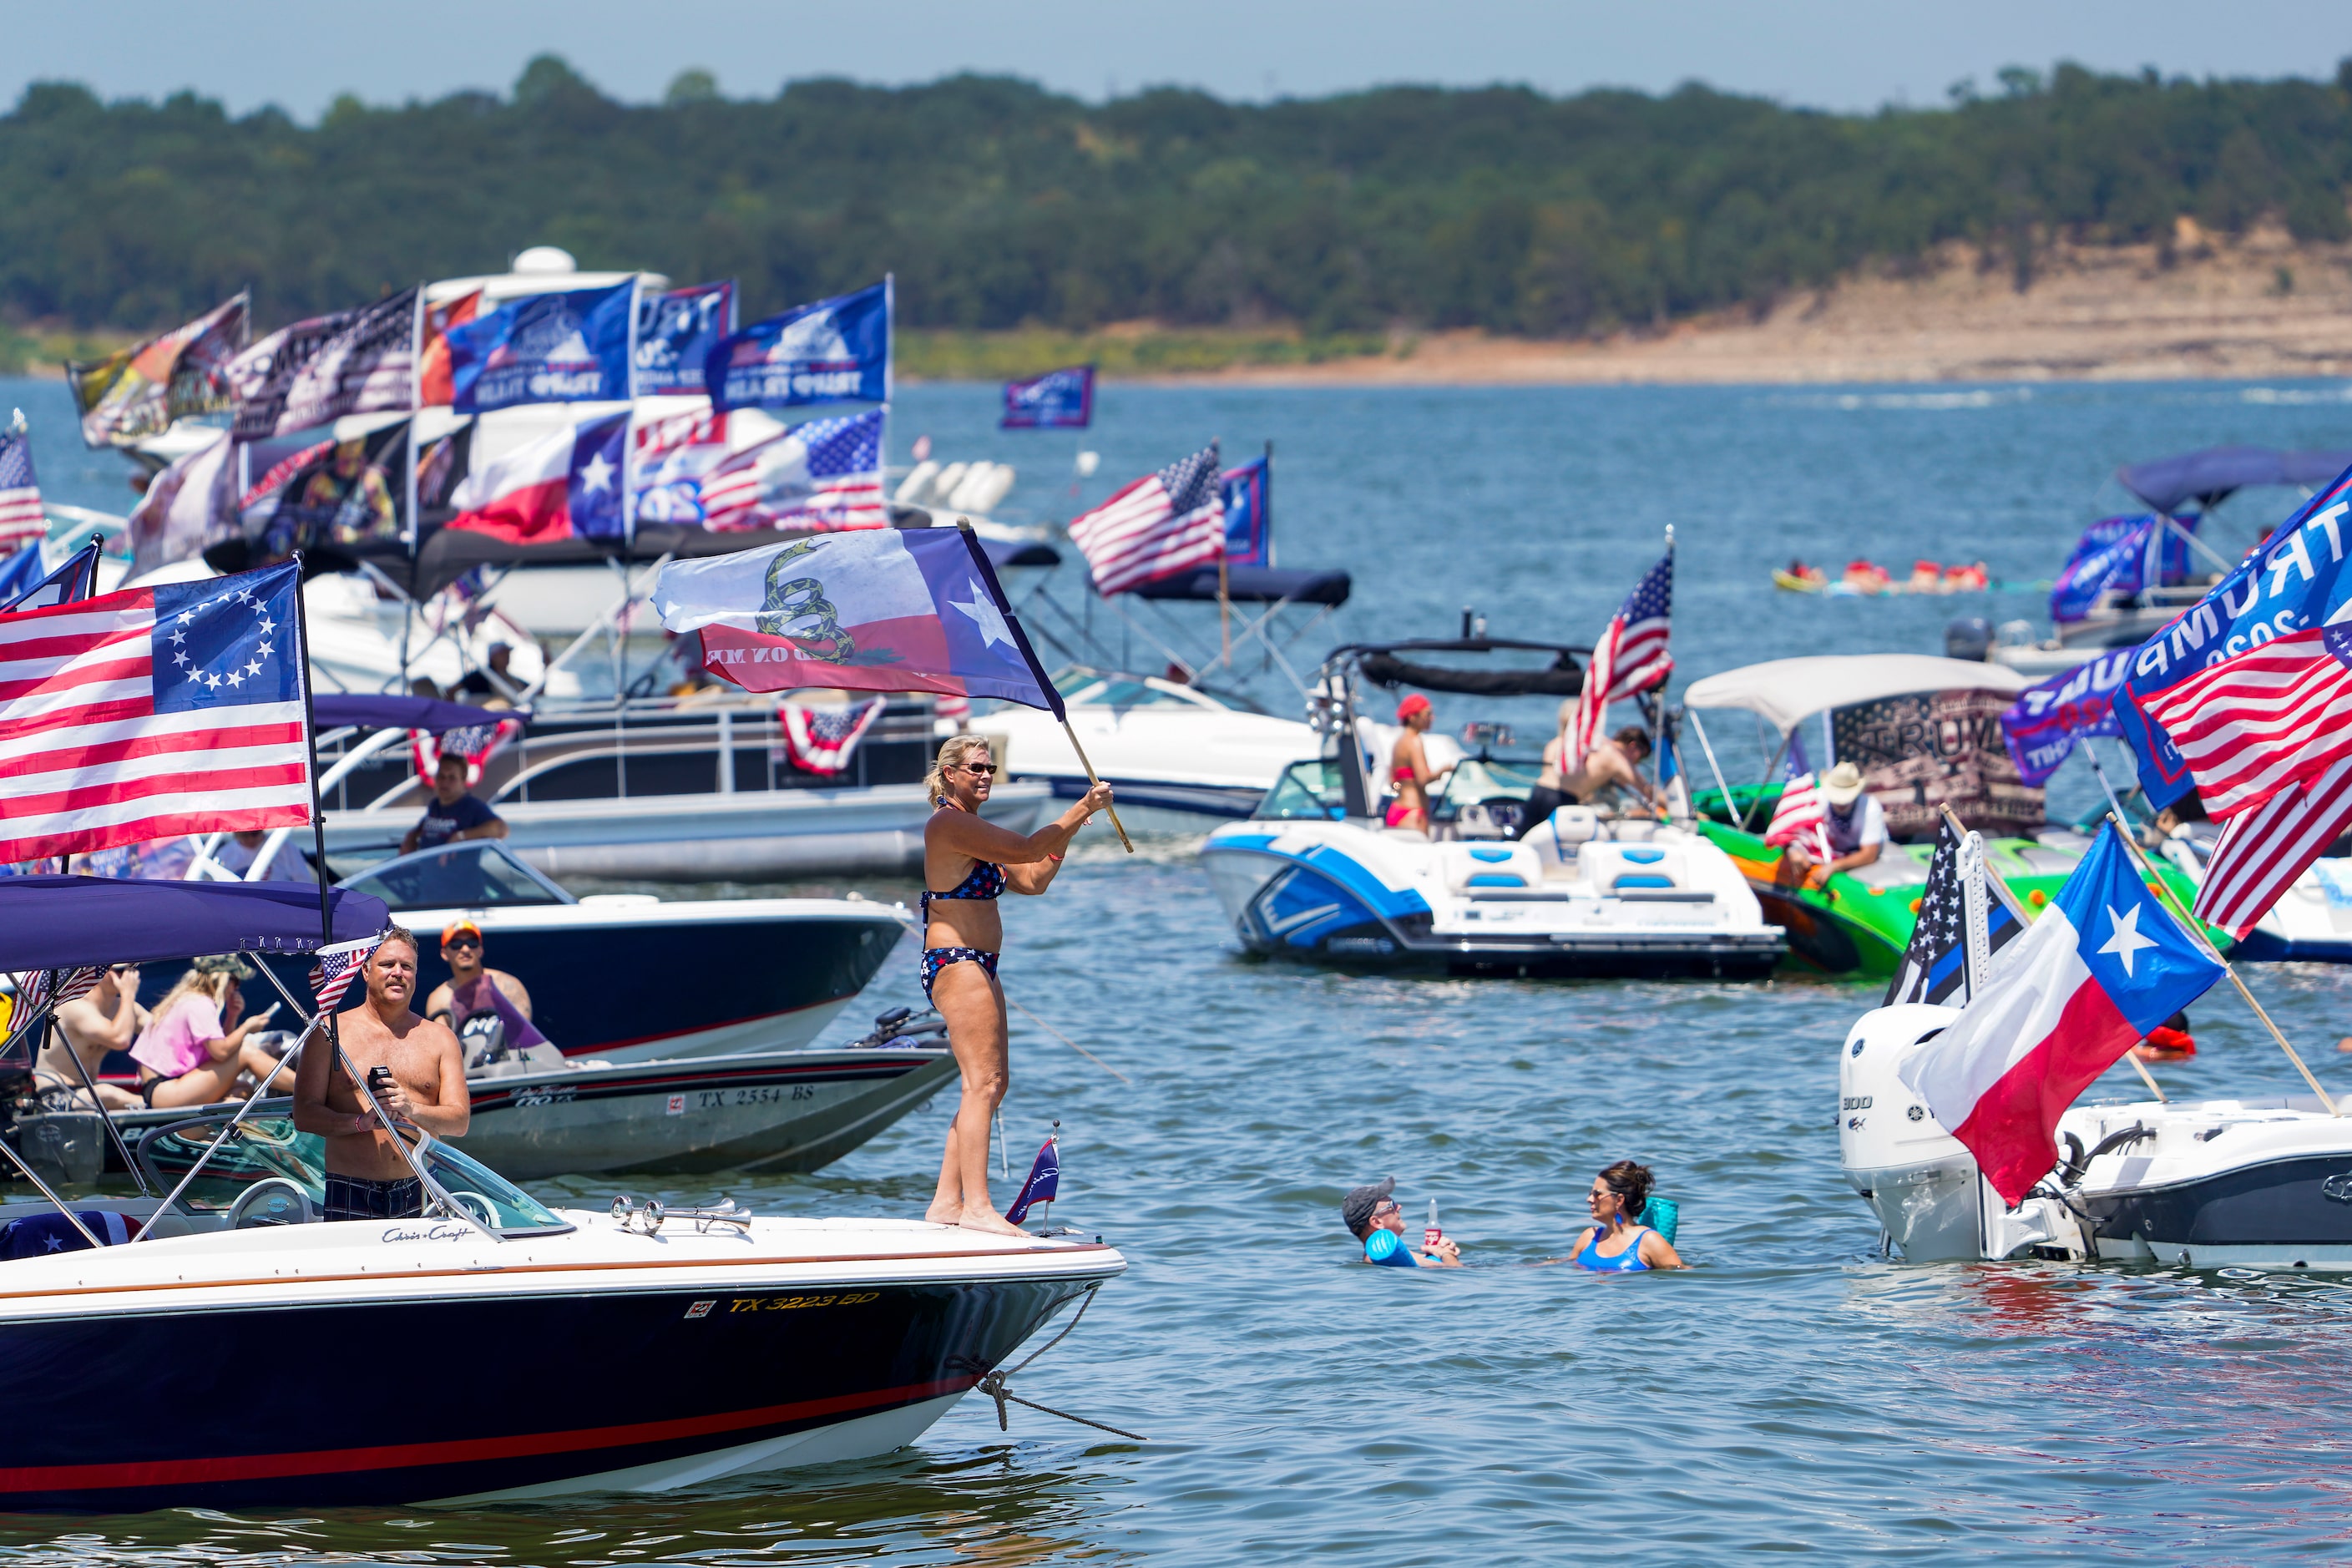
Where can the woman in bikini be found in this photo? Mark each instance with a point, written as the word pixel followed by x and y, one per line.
pixel 1409 774
pixel 967 862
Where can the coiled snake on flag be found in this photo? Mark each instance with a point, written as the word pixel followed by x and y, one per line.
pixel 801 602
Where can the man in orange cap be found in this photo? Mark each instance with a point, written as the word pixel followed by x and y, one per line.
pixel 473 988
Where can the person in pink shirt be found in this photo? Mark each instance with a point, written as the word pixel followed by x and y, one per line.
pixel 194 1047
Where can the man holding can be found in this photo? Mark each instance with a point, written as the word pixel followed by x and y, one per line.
pixel 413 1069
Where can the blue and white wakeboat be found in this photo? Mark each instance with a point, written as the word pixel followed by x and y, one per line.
pixel 1315 875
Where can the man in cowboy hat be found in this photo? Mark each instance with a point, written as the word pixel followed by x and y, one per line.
pixel 1851 824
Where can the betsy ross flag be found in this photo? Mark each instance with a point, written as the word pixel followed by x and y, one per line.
pixel 153 712
pixel 565 486
pixel 882 609
pixel 1631 657
pixel 1162 525
pixel 2102 967
pixel 337 967
pixel 819 739
pixel 20 493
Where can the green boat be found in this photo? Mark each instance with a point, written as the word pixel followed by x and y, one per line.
pixel 1860 923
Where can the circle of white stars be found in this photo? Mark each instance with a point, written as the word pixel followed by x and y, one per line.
pixel 235 676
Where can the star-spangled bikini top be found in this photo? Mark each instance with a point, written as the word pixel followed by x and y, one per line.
pixel 986 881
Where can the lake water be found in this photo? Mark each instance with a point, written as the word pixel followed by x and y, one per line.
pixel 1791 1394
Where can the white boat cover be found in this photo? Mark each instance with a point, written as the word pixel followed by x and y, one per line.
pixel 1786 692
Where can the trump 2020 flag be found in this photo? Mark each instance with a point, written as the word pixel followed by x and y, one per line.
pixel 884 609
pixel 2043 725
pixel 1057 400
pixel 2104 965
pixel 153 712
pixel 1044 1184
pixel 676 332
pixel 835 351
pixel 572 347
pixel 566 485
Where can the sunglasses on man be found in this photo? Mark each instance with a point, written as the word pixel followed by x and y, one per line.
pixel 458 942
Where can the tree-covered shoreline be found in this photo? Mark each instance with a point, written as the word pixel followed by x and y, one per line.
pixel 1001 205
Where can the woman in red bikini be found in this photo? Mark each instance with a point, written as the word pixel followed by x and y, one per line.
pixel 1410 773
pixel 974 860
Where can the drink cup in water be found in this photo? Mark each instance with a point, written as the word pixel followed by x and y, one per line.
pixel 1432 1236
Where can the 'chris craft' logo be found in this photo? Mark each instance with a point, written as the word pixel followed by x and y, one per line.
pixel 797 610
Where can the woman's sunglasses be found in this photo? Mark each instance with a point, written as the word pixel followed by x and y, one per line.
pixel 984 769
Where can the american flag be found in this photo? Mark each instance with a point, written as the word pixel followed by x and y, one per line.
pixel 1800 811
pixel 20 493
pixel 824 476
pixel 1935 967
pixel 1631 657
pixel 819 739
pixel 1162 525
pixel 153 712
pixel 2267 736
pixel 72 985
pixel 2276 715
pixel 337 967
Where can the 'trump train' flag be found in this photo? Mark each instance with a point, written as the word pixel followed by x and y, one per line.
pixel 2104 965
pixel 2115 553
pixel 1057 400
pixel 885 609
pixel 572 347
pixel 835 351
pixel 1249 512
pixel 1631 657
pixel 1162 525
pixel 564 486
pixel 153 712
pixel 676 332
pixel 138 391
pixel 2043 725
pixel 21 516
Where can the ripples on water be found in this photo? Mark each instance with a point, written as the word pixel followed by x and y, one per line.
pixel 1793 1393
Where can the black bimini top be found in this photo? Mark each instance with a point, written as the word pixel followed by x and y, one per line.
pixel 1381 664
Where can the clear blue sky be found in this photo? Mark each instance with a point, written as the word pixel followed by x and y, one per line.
pixel 300 54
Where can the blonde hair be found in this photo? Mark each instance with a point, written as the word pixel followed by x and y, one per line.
pixel 952 751
pixel 213 987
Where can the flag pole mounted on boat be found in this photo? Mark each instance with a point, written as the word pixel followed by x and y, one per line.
pixel 2171 902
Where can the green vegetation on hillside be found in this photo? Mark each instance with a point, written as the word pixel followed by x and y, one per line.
pixel 1304 228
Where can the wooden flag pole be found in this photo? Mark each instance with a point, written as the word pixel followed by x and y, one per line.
pixel 1091 779
pixel 2165 896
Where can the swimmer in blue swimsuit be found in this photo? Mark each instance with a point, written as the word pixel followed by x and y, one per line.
pixel 1615 1244
pixel 962 936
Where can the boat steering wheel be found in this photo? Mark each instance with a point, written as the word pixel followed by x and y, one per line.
pixel 246 1214
pixel 477 1207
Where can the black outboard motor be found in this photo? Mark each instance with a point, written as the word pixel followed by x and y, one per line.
pixel 1970 637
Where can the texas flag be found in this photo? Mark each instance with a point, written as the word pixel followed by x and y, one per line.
pixel 567 486
pixel 2103 966
pixel 882 609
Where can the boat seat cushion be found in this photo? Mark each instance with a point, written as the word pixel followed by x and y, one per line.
pixel 1555 840
pixel 1473 864
pixel 36 1236
pixel 1609 866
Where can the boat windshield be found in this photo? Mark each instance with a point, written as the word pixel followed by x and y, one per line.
pixel 468 876
pixel 264 1172
pixel 1309 790
pixel 1097 689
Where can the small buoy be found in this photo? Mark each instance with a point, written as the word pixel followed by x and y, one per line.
pixel 2037 898
pixel 1915 905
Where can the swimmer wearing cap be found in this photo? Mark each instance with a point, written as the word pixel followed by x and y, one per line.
pixel 1409 774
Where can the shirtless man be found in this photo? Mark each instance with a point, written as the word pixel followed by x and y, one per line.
pixel 367 1178
pixel 1613 761
pixel 1409 774
pixel 104 1020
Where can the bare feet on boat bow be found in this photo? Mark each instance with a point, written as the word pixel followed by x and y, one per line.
pixel 989 1221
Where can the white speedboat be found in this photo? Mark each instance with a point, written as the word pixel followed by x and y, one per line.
pixel 1181 759
pixel 2259 1183
pixel 804 1341
pixel 1313 874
